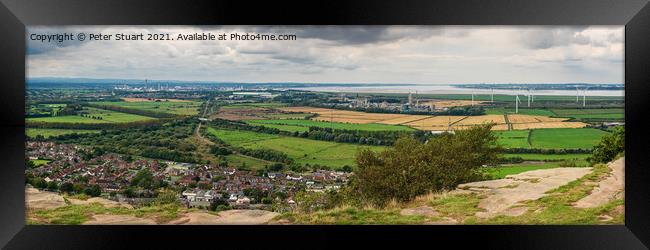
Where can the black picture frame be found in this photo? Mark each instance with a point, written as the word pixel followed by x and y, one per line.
pixel 16 14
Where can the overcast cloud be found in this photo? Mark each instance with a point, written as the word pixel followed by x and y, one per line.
pixel 363 54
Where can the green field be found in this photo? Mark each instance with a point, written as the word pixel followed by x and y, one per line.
pixel 548 157
pixel 614 114
pixel 66 119
pixel 46 132
pixel 502 171
pixel 523 111
pixel 106 115
pixel 333 125
pixel 39 162
pixel 177 108
pixel 289 128
pixel 566 137
pixel 513 138
pixel 302 150
pixel 256 105
pixel 551 138
pixel 249 162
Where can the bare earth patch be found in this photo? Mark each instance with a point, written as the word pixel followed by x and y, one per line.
pixel 112 219
pixel 229 217
pixel 421 210
pixel 503 194
pixel 36 199
pixel 612 187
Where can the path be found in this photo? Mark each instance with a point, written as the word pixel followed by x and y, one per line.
pixel 229 217
pixel 612 187
pixel 505 196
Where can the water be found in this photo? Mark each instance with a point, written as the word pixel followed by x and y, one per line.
pixel 450 89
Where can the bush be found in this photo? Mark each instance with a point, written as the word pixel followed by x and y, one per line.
pixel 412 168
pixel 609 147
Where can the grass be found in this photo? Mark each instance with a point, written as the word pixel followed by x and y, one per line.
pixel 612 114
pixel 106 115
pixel 333 125
pixel 556 207
pixel 513 138
pixel 354 216
pixel 566 137
pixel 548 157
pixel 39 162
pixel 46 132
pixel 66 119
pixel 303 151
pixel 75 214
pixel 523 111
pixel 557 138
pixel 249 162
pixel 178 108
pixel 289 128
pixel 502 171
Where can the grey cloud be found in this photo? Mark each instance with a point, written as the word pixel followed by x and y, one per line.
pixel 544 38
pixel 349 35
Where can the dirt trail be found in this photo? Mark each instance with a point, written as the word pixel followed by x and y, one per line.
pixel 229 217
pixel 36 199
pixel 114 219
pixel 612 187
pixel 505 196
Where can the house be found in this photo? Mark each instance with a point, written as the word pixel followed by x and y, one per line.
pixel 243 200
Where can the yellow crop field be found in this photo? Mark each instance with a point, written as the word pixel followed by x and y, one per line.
pixel 532 119
pixel 482 119
pixel 436 123
pixel 404 119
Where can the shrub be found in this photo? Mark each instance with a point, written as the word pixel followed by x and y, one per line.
pixel 609 147
pixel 412 168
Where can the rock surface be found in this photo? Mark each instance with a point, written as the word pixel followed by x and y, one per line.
pixel 503 194
pixel 612 187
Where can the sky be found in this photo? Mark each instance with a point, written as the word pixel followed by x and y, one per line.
pixel 341 54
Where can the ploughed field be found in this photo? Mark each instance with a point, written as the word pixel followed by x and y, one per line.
pixel 302 150
pixel 438 123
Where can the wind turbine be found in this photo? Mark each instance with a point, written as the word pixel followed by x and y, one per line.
pixel 529 98
pixel 584 97
pixel 492 95
pixel 472 98
pixel 532 97
pixel 577 94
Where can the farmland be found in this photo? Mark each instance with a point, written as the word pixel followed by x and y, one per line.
pixel 169 107
pixel 566 138
pixel 293 124
pixel 33 132
pixel 551 138
pixel 438 123
pixel 612 114
pixel 101 116
pixel 303 151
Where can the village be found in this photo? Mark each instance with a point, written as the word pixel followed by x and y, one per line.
pixel 198 186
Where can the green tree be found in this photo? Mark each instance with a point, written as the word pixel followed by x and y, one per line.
pixel 412 168
pixel 93 191
pixel 609 146
pixel 143 179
